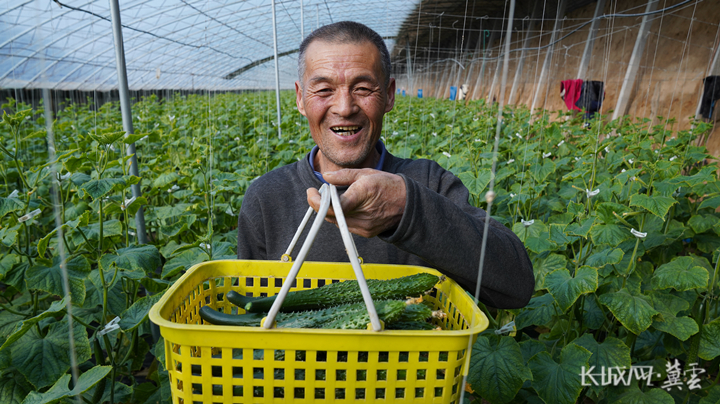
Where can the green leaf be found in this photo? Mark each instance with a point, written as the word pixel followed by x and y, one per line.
pixel 108 137
pixel 669 306
pixel 541 172
pixel 8 205
pixel 183 262
pixel 635 312
pixel 49 279
pixel 24 326
pixel 611 353
pixel 531 347
pixel 99 188
pixel 8 235
pixel 575 208
pixel 713 396
pixel 651 396
pixel 609 234
pixel 144 257
pixel 702 223
pixel 61 389
pixel 580 229
pixel 539 311
pixel 13 388
pixel 710 340
pixel 6 264
pixel 566 289
pixel 165 179
pixel 174 211
pixel 497 370
pixel 138 312
pixel 680 274
pixel 542 267
pixel 711 203
pixel 111 228
pixel 608 256
pixel 559 383
pixel 657 205
pixel 540 244
pixel 43 359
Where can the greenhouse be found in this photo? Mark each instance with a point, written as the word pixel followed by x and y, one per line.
pixel 411 201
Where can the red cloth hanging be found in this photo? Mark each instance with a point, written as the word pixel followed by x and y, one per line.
pixel 572 93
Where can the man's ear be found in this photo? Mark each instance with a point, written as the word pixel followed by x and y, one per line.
pixel 299 99
pixel 390 95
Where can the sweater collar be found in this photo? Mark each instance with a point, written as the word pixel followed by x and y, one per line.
pixel 380 147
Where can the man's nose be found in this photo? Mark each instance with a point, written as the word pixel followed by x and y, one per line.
pixel 345 104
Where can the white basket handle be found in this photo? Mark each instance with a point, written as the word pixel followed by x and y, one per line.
pixel 326 199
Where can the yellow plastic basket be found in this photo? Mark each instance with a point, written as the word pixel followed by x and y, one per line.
pixel 223 364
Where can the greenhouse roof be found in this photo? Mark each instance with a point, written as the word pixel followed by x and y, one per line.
pixel 170 44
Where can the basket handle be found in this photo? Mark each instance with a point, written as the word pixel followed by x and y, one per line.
pixel 328 195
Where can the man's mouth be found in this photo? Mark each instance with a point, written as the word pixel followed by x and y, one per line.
pixel 346 130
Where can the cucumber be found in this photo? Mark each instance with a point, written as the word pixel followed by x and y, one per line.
pixel 215 317
pixel 348 316
pixel 334 294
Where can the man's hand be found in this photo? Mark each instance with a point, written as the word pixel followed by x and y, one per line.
pixel 373 203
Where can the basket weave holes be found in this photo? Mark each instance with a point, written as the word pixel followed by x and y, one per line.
pixel 440 374
pixel 380 392
pixel 258 354
pixel 381 374
pixel 321 356
pixel 237 372
pixel 237 391
pixel 361 375
pixel 339 394
pixel 319 393
pixel 299 374
pixel 299 392
pixel 258 373
pixel 217 371
pixel 258 391
pixel 402 374
pixel 279 374
pixel 197 388
pixel 340 375
pixel 362 356
pixel 438 391
pixel 360 393
pixel 423 356
pixel 383 356
pixel 217 390
pixel 403 356
pixel 320 375
pixel 419 392
pixel 443 356
pixel 421 374
pixel 342 356
pixel 196 370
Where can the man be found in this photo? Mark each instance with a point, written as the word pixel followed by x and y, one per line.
pixel 401 211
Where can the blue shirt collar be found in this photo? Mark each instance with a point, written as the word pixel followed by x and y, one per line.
pixel 380 147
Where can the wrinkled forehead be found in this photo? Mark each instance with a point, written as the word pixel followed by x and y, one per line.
pixel 342 58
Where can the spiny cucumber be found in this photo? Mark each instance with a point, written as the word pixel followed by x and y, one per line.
pixel 347 316
pixel 334 294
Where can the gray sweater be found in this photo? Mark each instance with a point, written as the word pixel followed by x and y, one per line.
pixel 439 229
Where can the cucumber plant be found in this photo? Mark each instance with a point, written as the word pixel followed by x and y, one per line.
pixel 619 220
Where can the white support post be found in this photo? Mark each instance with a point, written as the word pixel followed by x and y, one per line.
pixel 590 42
pixel 623 101
pixel 277 71
pixel 126 111
pixel 549 54
pixel 523 54
pixel 302 21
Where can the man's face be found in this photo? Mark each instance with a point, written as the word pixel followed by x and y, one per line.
pixel 344 99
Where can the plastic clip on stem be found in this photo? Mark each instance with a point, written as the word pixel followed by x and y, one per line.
pixel 326 199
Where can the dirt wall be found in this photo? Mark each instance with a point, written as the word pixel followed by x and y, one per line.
pixel 680 47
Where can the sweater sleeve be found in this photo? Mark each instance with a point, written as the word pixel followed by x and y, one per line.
pixel 443 229
pixel 251 240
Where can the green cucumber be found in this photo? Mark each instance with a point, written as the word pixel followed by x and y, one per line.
pixel 215 317
pixel 348 316
pixel 334 294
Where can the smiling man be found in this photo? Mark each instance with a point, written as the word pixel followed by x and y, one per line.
pixel 401 211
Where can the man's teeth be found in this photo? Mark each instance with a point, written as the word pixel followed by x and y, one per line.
pixel 345 129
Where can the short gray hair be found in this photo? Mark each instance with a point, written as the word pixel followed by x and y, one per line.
pixel 346 32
